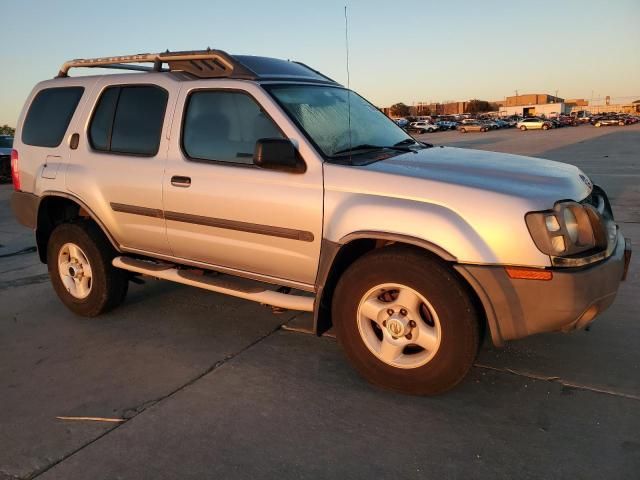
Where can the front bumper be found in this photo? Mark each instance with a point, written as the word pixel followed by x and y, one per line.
pixel 516 308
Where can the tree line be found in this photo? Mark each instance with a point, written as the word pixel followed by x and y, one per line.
pixel 7 130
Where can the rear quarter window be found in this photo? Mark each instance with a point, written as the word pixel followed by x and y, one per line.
pixel 49 115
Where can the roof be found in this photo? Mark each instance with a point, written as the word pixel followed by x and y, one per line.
pixel 204 64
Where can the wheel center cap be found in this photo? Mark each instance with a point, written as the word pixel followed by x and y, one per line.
pixel 396 327
pixel 75 270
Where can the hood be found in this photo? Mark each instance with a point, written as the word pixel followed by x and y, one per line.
pixel 542 181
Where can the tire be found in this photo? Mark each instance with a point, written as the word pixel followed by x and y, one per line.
pixel 430 130
pixel 421 131
pixel 621 124
pixel 463 130
pixel 545 127
pixel 449 306
pixel 106 286
pixel 598 124
pixel 523 128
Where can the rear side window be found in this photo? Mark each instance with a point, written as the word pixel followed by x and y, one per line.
pixel 49 115
pixel 128 119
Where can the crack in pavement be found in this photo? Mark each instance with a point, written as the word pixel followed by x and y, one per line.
pixel 564 383
pixel 138 410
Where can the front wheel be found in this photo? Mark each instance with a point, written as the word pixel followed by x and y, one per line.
pixel 545 127
pixel 598 124
pixel 523 128
pixel 406 322
pixel 79 262
pixel 621 124
pixel 463 130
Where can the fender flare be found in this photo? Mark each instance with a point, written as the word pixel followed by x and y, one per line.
pixel 330 250
pixel 83 206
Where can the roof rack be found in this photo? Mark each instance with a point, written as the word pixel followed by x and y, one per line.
pixel 200 63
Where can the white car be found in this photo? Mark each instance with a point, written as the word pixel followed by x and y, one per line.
pixel 423 127
pixel 534 124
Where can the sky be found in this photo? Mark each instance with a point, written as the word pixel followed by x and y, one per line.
pixel 400 51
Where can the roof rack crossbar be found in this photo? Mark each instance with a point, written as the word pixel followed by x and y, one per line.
pixel 200 63
pixel 124 66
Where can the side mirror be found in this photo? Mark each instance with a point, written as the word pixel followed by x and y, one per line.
pixel 278 154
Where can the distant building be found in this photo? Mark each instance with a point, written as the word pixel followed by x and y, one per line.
pixel 534 104
pixel 448 108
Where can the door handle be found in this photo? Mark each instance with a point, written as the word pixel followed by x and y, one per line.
pixel 179 181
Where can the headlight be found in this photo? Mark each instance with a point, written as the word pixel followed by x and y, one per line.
pixel 570 229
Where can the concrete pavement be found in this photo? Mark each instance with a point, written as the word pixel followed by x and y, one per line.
pixel 209 386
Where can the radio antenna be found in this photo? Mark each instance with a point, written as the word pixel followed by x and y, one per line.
pixel 346 44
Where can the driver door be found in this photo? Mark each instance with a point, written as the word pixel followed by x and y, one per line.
pixel 221 209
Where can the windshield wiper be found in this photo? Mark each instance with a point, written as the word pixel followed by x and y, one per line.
pixel 411 141
pixel 367 146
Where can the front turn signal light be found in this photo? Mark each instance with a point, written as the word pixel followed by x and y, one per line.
pixel 529 273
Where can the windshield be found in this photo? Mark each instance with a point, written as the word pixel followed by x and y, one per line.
pixel 6 142
pixel 323 113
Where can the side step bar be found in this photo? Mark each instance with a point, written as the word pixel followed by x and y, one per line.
pixel 226 284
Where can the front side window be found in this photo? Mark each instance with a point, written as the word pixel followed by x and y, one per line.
pixel 337 120
pixel 49 116
pixel 224 126
pixel 128 119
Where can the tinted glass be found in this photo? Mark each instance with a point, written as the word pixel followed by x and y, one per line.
pixel 336 119
pixel 6 142
pixel 224 126
pixel 100 130
pixel 49 116
pixel 273 67
pixel 137 126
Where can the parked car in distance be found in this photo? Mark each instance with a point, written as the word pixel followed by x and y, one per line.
pixel 534 123
pixel 401 122
pixel 422 127
pixel 6 145
pixel 264 179
pixel 472 126
pixel 490 124
pixel 610 121
pixel 567 121
pixel 509 122
pixel 446 125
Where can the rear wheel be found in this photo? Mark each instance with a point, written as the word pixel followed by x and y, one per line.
pixel 598 124
pixel 422 130
pixel 463 130
pixel 621 124
pixel 406 322
pixel 79 262
pixel 545 127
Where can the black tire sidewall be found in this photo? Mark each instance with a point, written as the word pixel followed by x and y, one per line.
pixel 108 284
pixel 441 287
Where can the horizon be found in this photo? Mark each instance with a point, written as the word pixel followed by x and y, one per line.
pixel 426 52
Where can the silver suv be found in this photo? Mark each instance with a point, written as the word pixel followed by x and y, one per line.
pixel 266 180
